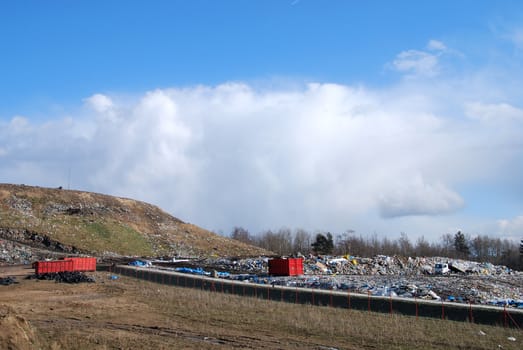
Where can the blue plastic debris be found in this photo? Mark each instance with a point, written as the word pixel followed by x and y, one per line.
pixel 224 274
pixel 196 271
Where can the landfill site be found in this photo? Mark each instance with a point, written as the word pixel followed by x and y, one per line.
pixel 77 272
pixel 431 278
pixel 99 309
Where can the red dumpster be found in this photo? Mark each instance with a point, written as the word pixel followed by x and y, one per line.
pixel 286 267
pixel 53 266
pixel 67 264
pixel 84 264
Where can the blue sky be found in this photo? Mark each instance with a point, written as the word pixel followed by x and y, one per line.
pixel 378 116
pixel 63 50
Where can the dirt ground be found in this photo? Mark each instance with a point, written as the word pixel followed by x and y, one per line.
pixel 125 313
pixel 112 314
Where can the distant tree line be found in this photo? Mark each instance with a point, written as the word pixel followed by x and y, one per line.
pixel 287 242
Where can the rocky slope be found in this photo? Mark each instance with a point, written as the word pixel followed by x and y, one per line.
pixel 40 222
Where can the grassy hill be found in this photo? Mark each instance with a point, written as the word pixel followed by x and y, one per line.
pixel 75 221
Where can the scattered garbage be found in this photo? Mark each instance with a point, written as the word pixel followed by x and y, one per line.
pixel 15 253
pixel 113 277
pixel 195 271
pixel 7 281
pixel 140 263
pixel 394 276
pixel 511 338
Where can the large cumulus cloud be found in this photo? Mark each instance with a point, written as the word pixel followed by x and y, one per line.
pixel 319 156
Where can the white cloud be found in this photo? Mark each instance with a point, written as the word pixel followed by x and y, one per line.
pixel 425 63
pixel 436 45
pixel 416 62
pixel 493 112
pixel 511 228
pixel 18 124
pixel 100 103
pixel 321 156
pixel 419 198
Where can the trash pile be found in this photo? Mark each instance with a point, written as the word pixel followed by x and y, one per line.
pixel 464 282
pixel 397 266
pixel 66 277
pixel 7 281
pixel 15 253
pixel 250 266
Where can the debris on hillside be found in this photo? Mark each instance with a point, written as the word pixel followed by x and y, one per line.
pixel 71 222
pixel 12 253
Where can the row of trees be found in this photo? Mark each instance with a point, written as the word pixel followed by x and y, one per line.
pixel 459 245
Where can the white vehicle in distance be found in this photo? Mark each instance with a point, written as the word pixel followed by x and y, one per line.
pixel 441 269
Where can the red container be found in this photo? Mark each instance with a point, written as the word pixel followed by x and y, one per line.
pixel 53 266
pixel 68 264
pixel 286 267
pixel 84 264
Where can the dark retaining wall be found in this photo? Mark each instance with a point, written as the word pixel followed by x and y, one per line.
pixel 415 307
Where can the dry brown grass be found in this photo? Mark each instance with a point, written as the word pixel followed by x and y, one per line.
pixel 136 314
pixel 211 313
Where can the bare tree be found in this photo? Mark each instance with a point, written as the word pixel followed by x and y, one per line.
pixel 404 245
pixel 423 247
pixel 447 245
pixel 301 242
pixel 240 234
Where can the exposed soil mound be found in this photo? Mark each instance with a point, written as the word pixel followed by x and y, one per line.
pixel 17 333
pixel 59 222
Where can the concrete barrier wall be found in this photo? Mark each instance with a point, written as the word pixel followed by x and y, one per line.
pixel 481 314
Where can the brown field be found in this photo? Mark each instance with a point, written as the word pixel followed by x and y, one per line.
pixel 134 314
